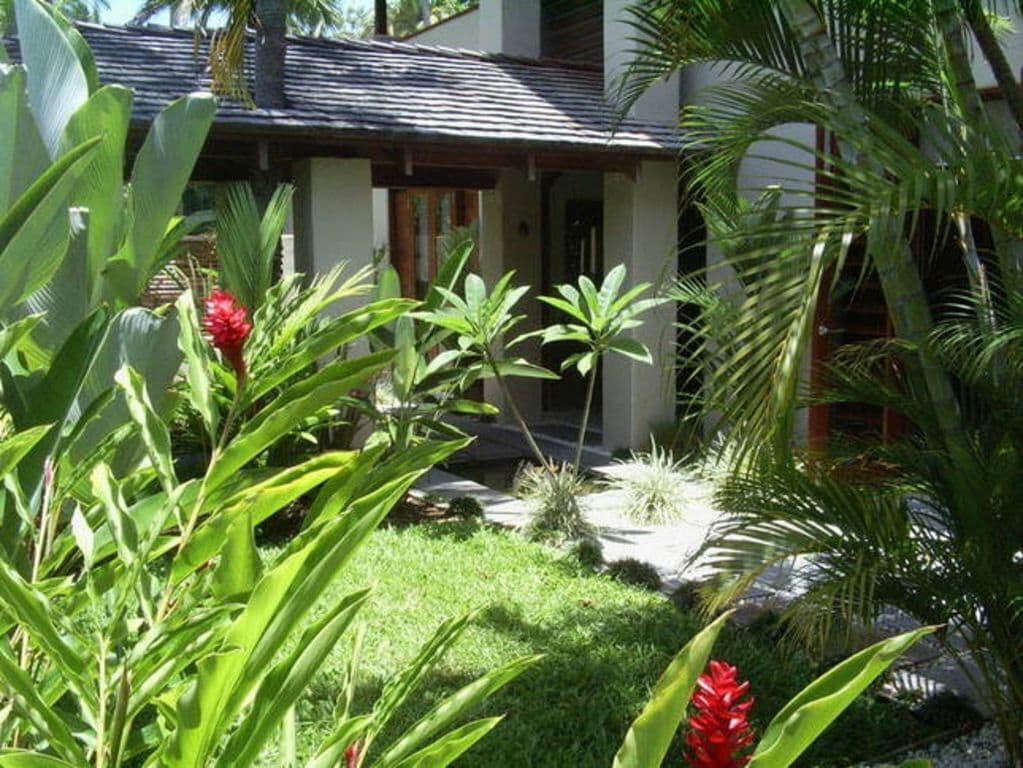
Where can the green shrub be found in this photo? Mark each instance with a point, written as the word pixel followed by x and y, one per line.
pixel 629 570
pixel 655 487
pixel 588 551
pixel 553 497
pixel 466 507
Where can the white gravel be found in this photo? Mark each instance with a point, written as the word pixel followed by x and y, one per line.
pixel 981 749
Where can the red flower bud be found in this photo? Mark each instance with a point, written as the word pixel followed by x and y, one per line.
pixel 227 323
pixel 352 754
pixel 719 731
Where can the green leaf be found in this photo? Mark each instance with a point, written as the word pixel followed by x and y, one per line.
pixel 259 500
pixel 332 750
pixel 631 348
pixel 155 434
pixel 814 708
pixel 520 367
pixel 37 617
pixel 287 681
pixel 162 168
pixel 651 734
pixel 292 406
pixel 57 84
pixel 107 114
pixel 30 705
pixel 35 231
pixel 476 407
pixel 12 335
pixel 335 334
pixel 451 746
pixel 197 363
pixel 240 567
pixel 13 758
pixel 399 688
pixel 14 447
pixel 454 707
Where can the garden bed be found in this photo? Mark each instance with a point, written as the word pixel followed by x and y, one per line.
pixel 605 645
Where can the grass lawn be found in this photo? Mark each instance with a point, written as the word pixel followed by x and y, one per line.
pixel 605 645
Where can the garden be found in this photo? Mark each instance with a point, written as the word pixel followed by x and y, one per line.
pixel 216 549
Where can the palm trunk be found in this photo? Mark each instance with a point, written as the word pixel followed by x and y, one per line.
pixel 996 59
pixel 271 45
pixel 900 279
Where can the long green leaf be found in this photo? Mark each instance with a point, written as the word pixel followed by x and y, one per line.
pixel 33 708
pixel 14 448
pixel 288 680
pixel 291 407
pixel 451 746
pixel 36 615
pixel 162 168
pixel 14 758
pixel 35 231
pixel 197 363
pixel 814 708
pixel 453 707
pixel 651 734
pixel 57 83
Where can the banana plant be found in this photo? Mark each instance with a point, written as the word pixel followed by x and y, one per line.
pixel 600 320
pixel 78 242
pixel 785 738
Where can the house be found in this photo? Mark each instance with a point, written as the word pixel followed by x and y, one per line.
pixel 499 118
pixel 392 143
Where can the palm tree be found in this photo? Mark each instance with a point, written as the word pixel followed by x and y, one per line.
pixel 870 74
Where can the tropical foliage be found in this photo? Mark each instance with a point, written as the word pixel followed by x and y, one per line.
pixel 919 168
pixel 719 732
pixel 140 623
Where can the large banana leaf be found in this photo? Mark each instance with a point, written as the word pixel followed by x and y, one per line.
pixel 57 83
pixel 162 169
pixel 35 231
pixel 107 113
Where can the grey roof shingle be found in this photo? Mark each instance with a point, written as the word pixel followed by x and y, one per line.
pixel 391 90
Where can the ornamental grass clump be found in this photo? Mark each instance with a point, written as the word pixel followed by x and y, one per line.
pixel 655 487
pixel 553 496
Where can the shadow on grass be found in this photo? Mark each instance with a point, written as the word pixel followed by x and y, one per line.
pixel 573 708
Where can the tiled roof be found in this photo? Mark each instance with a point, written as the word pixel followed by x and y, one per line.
pixel 389 90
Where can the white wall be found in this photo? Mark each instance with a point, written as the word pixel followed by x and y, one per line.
pixel 641 232
pixel 381 219
pixel 660 103
pixel 461 31
pixel 510 238
pixel 333 215
pixel 510 26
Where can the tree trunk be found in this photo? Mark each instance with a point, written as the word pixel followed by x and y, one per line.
pixel 996 58
pixel 897 270
pixel 271 44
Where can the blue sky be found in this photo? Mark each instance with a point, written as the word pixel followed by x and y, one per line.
pixel 122 10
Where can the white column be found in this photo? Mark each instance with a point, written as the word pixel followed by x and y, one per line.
pixel 510 240
pixel 641 231
pixel 510 26
pixel 660 103
pixel 333 215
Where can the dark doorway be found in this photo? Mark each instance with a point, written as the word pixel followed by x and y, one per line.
pixel 583 249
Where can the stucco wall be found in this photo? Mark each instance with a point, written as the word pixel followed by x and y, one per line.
pixel 462 31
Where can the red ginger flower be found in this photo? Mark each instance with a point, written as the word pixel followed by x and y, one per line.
pixel 227 323
pixel 352 754
pixel 719 731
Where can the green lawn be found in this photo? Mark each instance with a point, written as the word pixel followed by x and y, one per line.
pixel 605 645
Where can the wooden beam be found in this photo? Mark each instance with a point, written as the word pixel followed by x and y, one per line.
pixel 446 178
